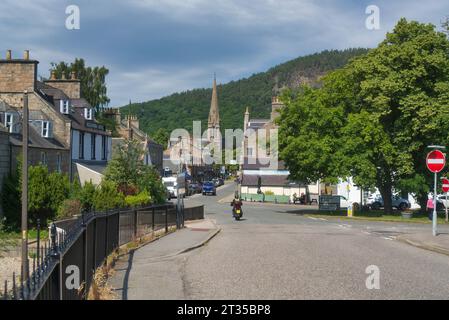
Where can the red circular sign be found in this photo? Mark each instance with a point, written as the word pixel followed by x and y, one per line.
pixel 436 161
pixel 445 184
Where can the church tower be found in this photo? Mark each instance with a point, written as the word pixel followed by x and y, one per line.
pixel 213 123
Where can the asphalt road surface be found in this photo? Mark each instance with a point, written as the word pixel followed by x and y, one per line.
pixel 276 253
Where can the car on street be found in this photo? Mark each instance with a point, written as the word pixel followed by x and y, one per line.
pixel 218 182
pixel 209 188
pixel 376 202
pixel 195 188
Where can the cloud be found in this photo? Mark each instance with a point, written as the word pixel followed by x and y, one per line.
pixel 156 47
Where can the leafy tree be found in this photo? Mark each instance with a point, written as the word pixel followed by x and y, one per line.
pixel 374 118
pixel 106 197
pixel 161 136
pixel 93 80
pixel 128 171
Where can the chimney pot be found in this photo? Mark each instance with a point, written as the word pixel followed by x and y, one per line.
pixel 53 75
pixel 63 76
pixel 26 55
pixel 8 54
pixel 73 75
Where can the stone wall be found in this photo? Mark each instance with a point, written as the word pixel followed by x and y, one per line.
pixel 17 75
pixel 72 88
pixel 4 159
pixel 34 158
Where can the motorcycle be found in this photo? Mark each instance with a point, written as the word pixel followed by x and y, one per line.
pixel 237 210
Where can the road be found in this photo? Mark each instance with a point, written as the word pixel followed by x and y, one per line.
pixel 276 253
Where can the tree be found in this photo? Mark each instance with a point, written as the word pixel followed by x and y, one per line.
pixel 161 136
pixel 373 119
pixel 93 80
pixel 128 171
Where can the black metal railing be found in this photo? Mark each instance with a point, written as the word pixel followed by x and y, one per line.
pixel 62 267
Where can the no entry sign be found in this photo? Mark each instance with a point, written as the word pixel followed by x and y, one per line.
pixel 445 184
pixel 436 161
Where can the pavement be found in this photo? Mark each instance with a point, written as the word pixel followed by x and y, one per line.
pixel 427 241
pixel 151 272
pixel 277 252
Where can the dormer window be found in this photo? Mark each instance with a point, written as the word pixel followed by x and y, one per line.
pixel 46 129
pixel 9 121
pixel 88 113
pixel 64 106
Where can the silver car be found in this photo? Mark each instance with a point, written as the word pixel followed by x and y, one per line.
pixel 397 202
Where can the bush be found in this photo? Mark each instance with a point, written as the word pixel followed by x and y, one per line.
pixel 107 197
pixel 69 208
pixel 11 203
pixel 151 181
pixel 141 199
pixel 86 195
pixel 269 193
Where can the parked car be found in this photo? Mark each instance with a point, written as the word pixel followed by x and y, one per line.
pixel 209 188
pixel 399 203
pixel 218 182
pixel 195 188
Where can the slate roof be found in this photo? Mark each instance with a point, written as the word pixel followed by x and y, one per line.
pixel 76 115
pixel 248 164
pixel 35 140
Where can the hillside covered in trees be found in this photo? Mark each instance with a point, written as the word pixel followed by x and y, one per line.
pixel 180 109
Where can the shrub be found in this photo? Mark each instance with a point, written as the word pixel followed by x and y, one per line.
pixel 69 208
pixel 107 197
pixel 86 195
pixel 269 193
pixel 11 203
pixel 141 199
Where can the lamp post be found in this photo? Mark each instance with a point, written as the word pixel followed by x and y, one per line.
pixel 25 188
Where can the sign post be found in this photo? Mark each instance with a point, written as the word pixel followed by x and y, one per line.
pixel 445 182
pixel 436 160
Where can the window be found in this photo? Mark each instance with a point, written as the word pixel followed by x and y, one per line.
pixel 88 113
pixel 46 129
pixel 250 152
pixel 104 147
pixel 58 162
pixel 43 158
pixel 9 121
pixel 81 146
pixel 93 137
pixel 64 106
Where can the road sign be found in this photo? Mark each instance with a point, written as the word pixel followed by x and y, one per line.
pixel 445 184
pixel 436 161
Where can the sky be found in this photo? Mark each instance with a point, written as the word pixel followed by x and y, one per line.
pixel 157 47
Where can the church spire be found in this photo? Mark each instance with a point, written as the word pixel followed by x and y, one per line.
pixel 214 115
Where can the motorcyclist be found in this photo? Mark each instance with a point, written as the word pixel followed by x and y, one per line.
pixel 236 203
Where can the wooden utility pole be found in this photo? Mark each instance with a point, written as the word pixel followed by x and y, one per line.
pixel 25 270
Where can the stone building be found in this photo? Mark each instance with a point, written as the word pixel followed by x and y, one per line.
pixel 61 120
pixel 256 175
pixel 129 128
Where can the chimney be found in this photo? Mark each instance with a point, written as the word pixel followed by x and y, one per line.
pixel 18 75
pixel 71 87
pixel 276 105
pixel 135 122
pixel 26 55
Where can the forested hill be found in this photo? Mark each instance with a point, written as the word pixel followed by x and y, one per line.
pixel 180 109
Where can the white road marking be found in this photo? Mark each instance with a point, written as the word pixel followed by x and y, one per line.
pixel 313 218
pixel 386 238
